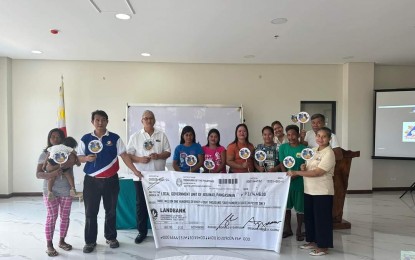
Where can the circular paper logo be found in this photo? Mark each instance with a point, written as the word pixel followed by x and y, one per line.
pixel 191 160
pixel 260 156
pixel 60 157
pixel 307 154
pixel 244 153
pixel 148 145
pixel 95 146
pixel 209 164
pixel 289 162
pixel 294 118
pixel 303 117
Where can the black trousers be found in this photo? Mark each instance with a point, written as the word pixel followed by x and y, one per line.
pixel 94 189
pixel 318 219
pixel 141 209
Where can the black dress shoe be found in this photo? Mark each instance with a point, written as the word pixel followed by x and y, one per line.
pixel 88 248
pixel 113 243
pixel 140 237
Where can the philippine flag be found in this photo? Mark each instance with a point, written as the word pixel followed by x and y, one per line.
pixel 61 110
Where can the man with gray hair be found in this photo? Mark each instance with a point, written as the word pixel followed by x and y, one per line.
pixel 309 138
pixel 148 148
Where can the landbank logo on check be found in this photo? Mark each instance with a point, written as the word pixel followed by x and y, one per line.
pixel 154 214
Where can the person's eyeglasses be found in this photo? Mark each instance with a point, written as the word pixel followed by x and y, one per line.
pixel 148 118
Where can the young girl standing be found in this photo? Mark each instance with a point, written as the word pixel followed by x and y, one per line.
pixel 215 152
pixel 187 146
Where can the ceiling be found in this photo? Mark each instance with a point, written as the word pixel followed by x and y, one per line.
pixel 211 31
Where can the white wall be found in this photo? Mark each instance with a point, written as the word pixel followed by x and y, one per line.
pixel 29 97
pixel 357 110
pixel 393 173
pixel 267 92
pixel 6 145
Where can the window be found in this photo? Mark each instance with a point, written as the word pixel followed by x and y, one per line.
pixel 327 108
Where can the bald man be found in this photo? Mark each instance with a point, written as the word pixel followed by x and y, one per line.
pixel 148 148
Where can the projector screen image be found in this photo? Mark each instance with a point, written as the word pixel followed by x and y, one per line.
pixel 394 132
pixel 408 132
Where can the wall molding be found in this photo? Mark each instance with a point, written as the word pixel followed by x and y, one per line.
pixel 21 194
pixel 359 192
pixel 391 189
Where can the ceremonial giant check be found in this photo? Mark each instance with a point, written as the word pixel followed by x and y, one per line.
pixel 243 210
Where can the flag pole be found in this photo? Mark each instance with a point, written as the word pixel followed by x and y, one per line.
pixel 61 108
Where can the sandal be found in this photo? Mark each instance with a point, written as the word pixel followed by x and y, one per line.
pixel 65 246
pixel 286 234
pixel 51 252
pixel 308 246
pixel 317 252
pixel 300 237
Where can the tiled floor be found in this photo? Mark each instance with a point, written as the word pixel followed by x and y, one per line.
pixel 382 226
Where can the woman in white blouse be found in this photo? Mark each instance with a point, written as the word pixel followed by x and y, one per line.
pixel 318 195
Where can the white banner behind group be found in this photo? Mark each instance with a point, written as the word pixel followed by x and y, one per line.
pixel 217 210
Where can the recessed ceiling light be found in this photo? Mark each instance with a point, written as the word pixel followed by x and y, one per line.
pixel 279 21
pixel 145 54
pixel 37 52
pixel 123 16
pixel 249 56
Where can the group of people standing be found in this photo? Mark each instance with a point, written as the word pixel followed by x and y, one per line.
pixel 100 181
pixel 148 149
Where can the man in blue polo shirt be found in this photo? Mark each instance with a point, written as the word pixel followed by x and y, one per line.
pixel 100 150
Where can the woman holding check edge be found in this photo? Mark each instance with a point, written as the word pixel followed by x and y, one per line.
pixel 318 195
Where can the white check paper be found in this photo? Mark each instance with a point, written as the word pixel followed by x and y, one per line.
pixel 244 210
